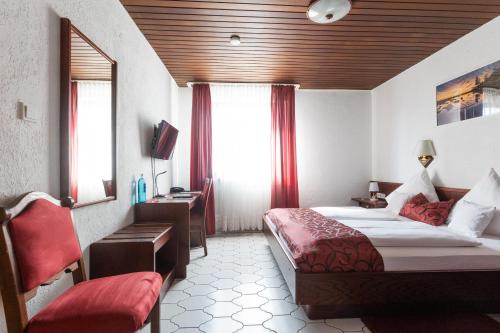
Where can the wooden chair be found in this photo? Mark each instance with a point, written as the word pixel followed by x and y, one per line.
pixel 38 244
pixel 199 215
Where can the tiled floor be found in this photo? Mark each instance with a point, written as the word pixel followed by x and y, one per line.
pixel 239 288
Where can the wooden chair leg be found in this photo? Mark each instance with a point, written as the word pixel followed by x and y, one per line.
pixel 155 317
pixel 204 240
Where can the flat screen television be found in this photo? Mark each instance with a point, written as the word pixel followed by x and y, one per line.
pixel 164 139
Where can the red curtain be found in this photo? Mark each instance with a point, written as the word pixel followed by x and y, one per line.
pixel 284 183
pixel 73 142
pixel 201 147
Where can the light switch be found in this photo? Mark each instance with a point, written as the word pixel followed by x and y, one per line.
pixel 25 112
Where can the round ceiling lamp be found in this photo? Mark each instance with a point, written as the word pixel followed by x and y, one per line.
pixel 235 40
pixel 328 11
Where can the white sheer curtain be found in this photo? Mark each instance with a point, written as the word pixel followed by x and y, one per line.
pixel 241 131
pixel 94 139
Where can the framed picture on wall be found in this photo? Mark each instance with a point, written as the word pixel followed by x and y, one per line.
pixel 473 95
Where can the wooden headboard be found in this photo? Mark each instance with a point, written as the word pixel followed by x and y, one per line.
pixel 444 193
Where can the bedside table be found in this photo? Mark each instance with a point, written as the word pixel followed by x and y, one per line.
pixel 367 203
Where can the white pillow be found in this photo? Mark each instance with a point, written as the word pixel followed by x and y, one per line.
pixel 486 193
pixel 419 183
pixel 397 200
pixel 471 219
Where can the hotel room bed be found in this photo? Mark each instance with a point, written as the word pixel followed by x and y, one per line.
pixel 451 276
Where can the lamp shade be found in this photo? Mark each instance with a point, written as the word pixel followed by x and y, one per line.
pixel 426 148
pixel 373 187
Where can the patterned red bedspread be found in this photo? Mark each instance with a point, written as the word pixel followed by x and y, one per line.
pixel 319 244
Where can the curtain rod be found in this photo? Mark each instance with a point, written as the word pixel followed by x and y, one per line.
pixel 296 85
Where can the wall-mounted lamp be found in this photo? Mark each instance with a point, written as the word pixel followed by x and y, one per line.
pixel 426 152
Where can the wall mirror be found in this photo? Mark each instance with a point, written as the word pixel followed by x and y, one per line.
pixel 88 119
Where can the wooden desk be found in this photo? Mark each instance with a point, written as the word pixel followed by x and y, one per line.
pixel 137 248
pixel 177 211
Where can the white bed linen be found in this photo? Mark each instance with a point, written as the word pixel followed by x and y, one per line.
pixel 407 258
pixel 385 228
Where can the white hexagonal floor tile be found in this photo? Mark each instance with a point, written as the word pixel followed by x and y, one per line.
pixel 168 311
pixel 274 293
pixel 247 278
pixel 225 284
pixel 191 318
pixel 252 316
pixel 225 295
pixel 226 274
pixel 181 284
pixel 196 302
pixel 249 288
pixel 246 269
pixel 250 301
pixel 268 272
pixel 247 262
pixel 284 324
pixel 166 326
pixel 346 324
pixel 204 270
pixel 254 329
pixel 279 307
pixel 222 309
pixel 219 325
pixel 200 289
pixel 227 265
pixel 202 279
pixel 188 330
pixel 319 328
pixel 300 314
pixel 174 296
pixel 266 264
pixel 271 282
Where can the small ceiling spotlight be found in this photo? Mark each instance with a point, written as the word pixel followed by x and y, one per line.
pixel 235 40
pixel 328 11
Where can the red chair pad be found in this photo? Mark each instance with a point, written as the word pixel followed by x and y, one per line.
pixel 44 242
pixel 116 304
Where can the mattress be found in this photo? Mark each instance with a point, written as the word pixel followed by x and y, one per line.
pixel 481 254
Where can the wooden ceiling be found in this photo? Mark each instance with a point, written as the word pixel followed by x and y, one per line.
pixel 375 42
pixel 86 62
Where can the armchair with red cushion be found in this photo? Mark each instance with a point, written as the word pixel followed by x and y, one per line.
pixel 38 244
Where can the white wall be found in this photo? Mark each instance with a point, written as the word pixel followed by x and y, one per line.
pixel 333 144
pixel 181 158
pixel 404 112
pixel 29 71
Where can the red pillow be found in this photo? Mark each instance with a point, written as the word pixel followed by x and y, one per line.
pixel 433 213
pixel 44 242
pixel 419 199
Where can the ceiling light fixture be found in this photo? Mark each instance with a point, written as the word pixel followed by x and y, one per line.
pixel 328 11
pixel 235 40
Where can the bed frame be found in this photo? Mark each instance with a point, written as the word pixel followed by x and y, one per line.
pixel 353 294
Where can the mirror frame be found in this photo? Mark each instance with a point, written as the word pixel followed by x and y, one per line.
pixel 65 112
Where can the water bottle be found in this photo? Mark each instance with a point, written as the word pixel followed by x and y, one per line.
pixel 141 189
pixel 134 192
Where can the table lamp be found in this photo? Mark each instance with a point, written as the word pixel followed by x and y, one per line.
pixel 373 189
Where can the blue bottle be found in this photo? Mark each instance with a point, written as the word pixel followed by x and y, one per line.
pixel 141 189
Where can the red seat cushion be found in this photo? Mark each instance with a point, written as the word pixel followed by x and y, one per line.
pixel 116 304
pixel 44 242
